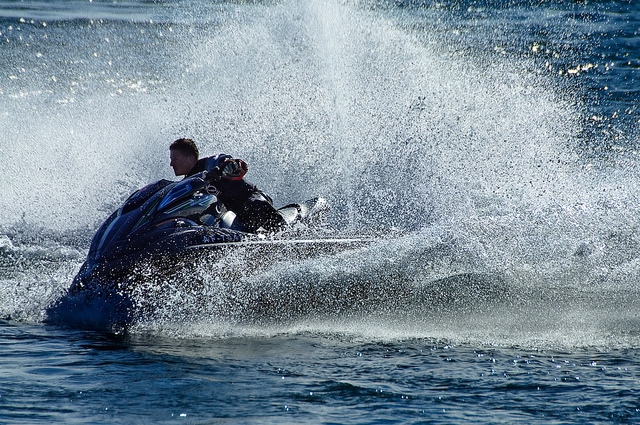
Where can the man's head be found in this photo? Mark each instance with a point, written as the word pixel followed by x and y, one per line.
pixel 184 156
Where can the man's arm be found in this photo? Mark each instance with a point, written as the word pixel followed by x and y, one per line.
pixel 227 167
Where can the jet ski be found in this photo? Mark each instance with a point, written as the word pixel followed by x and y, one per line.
pixel 168 222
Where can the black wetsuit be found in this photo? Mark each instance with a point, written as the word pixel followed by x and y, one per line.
pixel 253 208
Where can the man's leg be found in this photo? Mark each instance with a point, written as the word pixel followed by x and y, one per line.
pixel 259 212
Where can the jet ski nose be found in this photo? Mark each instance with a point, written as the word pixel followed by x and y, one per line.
pixel 84 277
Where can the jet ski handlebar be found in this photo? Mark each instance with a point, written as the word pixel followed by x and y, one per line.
pixel 212 175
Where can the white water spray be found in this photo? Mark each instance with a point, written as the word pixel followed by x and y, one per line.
pixel 472 166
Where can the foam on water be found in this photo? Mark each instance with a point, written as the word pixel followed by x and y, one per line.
pixel 498 229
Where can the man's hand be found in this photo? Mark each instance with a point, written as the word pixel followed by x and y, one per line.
pixel 233 169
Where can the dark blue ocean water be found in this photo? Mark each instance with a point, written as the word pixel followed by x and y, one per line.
pixel 492 149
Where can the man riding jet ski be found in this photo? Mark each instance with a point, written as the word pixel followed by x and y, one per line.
pixel 253 208
pixel 167 221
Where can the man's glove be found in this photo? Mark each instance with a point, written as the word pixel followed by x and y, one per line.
pixel 233 169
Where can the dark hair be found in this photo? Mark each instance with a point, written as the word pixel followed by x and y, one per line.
pixel 186 147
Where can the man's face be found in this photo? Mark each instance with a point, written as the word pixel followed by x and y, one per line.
pixel 181 163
